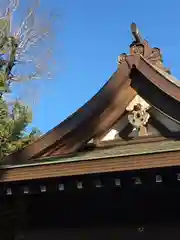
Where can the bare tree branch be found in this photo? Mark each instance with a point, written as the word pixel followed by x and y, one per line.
pixel 19 48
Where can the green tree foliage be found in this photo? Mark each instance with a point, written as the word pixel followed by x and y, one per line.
pixel 16 48
pixel 13 124
pixel 14 118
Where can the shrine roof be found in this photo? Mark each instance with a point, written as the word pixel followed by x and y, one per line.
pixel 140 73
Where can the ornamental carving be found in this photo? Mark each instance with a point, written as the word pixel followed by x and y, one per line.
pixel 122 58
pixel 137 49
pixel 141 47
pixel 138 115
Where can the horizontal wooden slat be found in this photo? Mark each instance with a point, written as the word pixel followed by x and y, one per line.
pixel 92 166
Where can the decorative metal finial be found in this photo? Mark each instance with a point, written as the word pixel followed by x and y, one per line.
pixel 136 34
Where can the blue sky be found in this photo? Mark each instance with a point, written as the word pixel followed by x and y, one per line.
pixel 90 34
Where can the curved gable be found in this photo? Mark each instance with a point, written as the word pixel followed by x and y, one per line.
pixel 143 73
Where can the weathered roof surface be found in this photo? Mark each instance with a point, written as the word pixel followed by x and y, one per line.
pixel 117 150
pixel 130 150
pixel 138 156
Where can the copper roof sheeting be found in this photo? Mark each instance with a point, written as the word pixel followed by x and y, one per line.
pixel 109 151
pixel 111 158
